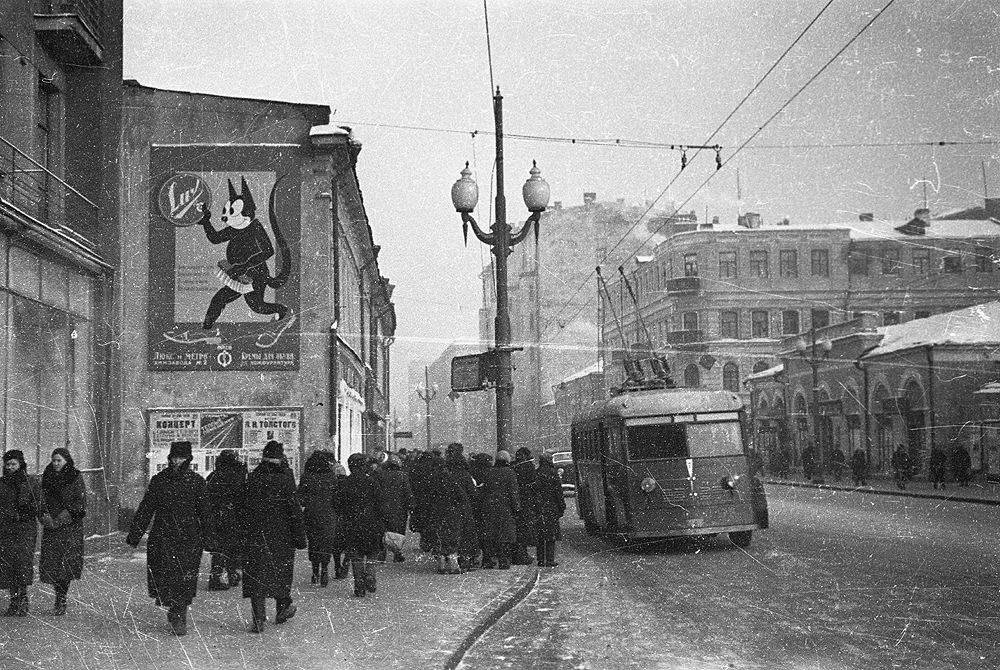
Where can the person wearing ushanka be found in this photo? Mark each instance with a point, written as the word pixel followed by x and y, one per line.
pixel 274 527
pixel 21 506
pixel 65 496
pixel 176 502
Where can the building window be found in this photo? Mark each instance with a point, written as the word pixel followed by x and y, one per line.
pixel 788 263
pixel 820 318
pixel 759 324
pixel 820 262
pixel 690 265
pixel 727 265
pixel 692 377
pixel 731 377
pixel 729 325
pixel 984 260
pixel 758 264
pixel 921 314
pixel 857 264
pixel 890 261
pixel 952 264
pixel 922 261
pixel 890 318
pixel 789 322
pixel 689 321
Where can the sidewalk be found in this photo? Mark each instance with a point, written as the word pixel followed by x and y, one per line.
pixel 984 493
pixel 417 619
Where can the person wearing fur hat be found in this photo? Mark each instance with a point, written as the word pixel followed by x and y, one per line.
pixel 362 509
pixel 65 497
pixel 21 506
pixel 225 486
pixel 176 502
pixel 501 505
pixel 273 521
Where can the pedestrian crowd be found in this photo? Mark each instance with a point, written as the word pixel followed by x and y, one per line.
pixel 471 513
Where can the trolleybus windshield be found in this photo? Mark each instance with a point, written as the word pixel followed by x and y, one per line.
pixel 683 440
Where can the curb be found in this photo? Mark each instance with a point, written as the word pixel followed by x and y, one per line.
pixel 880 492
pixel 491 619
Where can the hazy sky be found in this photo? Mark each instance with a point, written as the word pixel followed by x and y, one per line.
pixel 665 72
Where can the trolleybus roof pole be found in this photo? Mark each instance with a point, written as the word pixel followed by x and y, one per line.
pixel 633 370
pixel 660 368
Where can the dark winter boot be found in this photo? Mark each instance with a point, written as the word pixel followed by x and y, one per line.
pixel 370 576
pixel 177 618
pixel 258 614
pixel 324 574
pixel 360 579
pixel 22 602
pixel 59 608
pixel 504 557
pixel 550 554
pixel 340 566
pixel 540 553
pixel 315 575
pixel 285 610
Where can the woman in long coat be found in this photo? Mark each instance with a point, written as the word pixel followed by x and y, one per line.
pixel 225 486
pixel 398 498
pixel 176 502
pixel 362 510
pixel 274 528
pixel 458 468
pixel 65 496
pixel 317 494
pixel 524 468
pixel 549 508
pixel 21 506
pixel 501 504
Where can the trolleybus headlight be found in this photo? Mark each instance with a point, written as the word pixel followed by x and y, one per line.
pixel 730 481
pixel 648 485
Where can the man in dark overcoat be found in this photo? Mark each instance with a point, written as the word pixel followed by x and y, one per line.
pixel 65 497
pixel 21 506
pixel 176 502
pixel 480 465
pixel 225 488
pixel 936 466
pixel 361 508
pixel 501 504
pixel 317 494
pixel 524 468
pixel 398 498
pixel 550 507
pixel 458 468
pixel 274 529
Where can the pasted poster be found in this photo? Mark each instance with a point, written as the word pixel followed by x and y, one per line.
pixel 223 258
pixel 245 430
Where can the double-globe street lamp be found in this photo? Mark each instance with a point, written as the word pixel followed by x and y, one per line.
pixel 502 238
pixel 814 353
pixel 427 393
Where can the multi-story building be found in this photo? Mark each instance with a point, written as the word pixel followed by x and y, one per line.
pixel 60 122
pixel 268 319
pixel 717 299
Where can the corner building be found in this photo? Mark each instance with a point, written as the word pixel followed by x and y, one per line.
pixel 272 320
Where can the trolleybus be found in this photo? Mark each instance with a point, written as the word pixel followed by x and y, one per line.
pixel 663 463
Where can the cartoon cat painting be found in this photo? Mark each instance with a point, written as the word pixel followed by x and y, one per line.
pixel 244 271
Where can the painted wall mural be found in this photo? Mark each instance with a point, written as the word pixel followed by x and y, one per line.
pixel 223 258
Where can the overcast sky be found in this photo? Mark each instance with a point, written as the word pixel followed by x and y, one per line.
pixel 665 72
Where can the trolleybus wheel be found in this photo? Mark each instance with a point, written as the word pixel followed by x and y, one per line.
pixel 741 538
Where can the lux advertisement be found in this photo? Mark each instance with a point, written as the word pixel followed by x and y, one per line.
pixel 223 258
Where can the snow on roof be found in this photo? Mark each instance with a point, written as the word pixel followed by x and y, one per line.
pixel 887 230
pixel 596 367
pixel 770 372
pixel 989 388
pixel 329 129
pixel 979 324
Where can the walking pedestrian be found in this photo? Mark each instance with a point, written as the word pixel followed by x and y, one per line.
pixel 361 505
pixel 398 498
pixel 901 466
pixel 272 520
pixel 501 504
pixel 480 465
pixel 808 462
pixel 225 488
pixel 936 466
pixel 341 566
pixel 65 505
pixel 550 506
pixel 838 463
pixel 21 506
pixel 317 493
pixel 961 465
pixel 859 467
pixel 524 469
pixel 448 501
pixel 176 502
pixel 458 468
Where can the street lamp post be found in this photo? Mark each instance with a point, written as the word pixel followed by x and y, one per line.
pixel 427 393
pixel 814 353
pixel 502 239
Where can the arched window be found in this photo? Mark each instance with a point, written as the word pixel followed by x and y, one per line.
pixel 731 377
pixel 692 377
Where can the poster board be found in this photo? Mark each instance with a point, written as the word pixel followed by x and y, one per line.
pixel 245 430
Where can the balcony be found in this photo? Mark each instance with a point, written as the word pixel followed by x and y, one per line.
pixel 676 337
pixel 71 31
pixel 684 286
pixel 42 205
